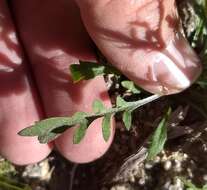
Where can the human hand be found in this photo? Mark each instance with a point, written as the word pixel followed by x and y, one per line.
pixel 138 37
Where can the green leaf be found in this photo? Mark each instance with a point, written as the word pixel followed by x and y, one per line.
pixel 159 138
pixel 89 70
pixel 189 185
pixel 41 127
pixel 80 132
pixel 86 71
pixel 98 106
pixel 49 129
pixel 6 168
pixel 127 119
pixel 130 86
pixel 195 28
pixel 9 184
pixel 120 102
pixel 106 127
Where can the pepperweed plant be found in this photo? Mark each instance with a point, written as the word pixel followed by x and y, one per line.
pixel 49 129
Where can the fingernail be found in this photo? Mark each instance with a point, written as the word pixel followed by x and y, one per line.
pixel 176 67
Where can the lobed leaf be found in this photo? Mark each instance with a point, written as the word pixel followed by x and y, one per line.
pixel 159 138
pixel 106 127
pixel 120 102
pixel 80 132
pixel 130 86
pixel 89 70
pixel 98 106
pixel 49 129
pixel 127 119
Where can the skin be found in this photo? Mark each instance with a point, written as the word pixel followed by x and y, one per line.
pixel 53 37
pixel 19 104
pixel 143 35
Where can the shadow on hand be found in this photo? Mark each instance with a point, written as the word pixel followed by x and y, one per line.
pixel 12 71
pixel 54 38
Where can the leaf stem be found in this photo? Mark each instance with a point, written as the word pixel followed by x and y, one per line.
pixel 129 106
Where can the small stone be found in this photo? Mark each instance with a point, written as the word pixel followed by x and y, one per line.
pixel 205 177
pixel 181 116
pixel 178 182
pixel 148 166
pixel 122 187
pixel 164 158
pixel 142 181
pixel 167 184
pixel 190 173
pixel 185 156
pixel 157 159
pixel 132 179
pixel 178 167
pixel 174 187
pixel 167 165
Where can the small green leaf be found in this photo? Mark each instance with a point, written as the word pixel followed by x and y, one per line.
pixel 127 119
pixel 49 129
pixel 130 86
pixel 205 187
pixel 9 184
pixel 98 106
pixel 189 185
pixel 6 168
pixel 86 71
pixel 89 70
pixel 106 127
pixel 120 102
pixel 159 138
pixel 80 132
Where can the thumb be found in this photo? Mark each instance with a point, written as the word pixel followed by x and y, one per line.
pixel 142 39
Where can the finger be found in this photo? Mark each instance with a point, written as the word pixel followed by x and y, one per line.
pixel 18 101
pixel 142 39
pixel 55 38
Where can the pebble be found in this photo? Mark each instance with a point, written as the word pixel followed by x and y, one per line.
pixel 185 156
pixel 190 173
pixel 142 181
pixel 178 167
pixel 205 177
pixel 181 116
pixel 157 159
pixel 167 165
pixel 148 166
pixel 122 187
pixel 175 188
pixel 167 184
pixel 41 170
pixel 132 178
pixel 178 182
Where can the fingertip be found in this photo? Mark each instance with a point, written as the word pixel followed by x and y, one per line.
pixel 25 151
pixel 92 146
pixel 19 103
pixel 147 48
pixel 172 69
